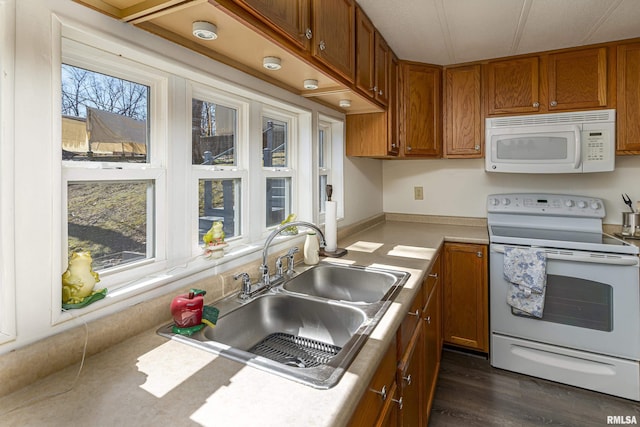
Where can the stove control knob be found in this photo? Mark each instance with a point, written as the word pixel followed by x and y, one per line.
pixel 595 206
pixel 569 203
pixel 582 204
pixel 494 202
pixel 506 201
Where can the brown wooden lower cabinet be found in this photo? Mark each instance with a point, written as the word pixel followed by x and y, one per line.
pixel 466 296
pixel 409 370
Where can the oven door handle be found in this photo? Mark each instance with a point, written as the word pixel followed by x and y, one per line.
pixel 597 259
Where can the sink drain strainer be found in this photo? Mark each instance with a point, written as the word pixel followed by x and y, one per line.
pixel 295 351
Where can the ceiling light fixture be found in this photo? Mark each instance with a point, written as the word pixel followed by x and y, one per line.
pixel 271 63
pixel 345 103
pixel 205 30
pixel 311 84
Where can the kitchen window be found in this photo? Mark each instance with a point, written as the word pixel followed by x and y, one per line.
pixel 324 165
pixel 113 168
pixel 150 159
pixel 277 157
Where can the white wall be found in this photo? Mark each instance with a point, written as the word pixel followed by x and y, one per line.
pixel 363 185
pixel 459 187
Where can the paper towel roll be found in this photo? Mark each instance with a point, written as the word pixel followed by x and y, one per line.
pixel 331 226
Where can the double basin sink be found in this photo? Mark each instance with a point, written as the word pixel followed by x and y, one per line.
pixel 308 328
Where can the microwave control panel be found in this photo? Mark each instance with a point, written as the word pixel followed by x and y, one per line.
pixel 595 144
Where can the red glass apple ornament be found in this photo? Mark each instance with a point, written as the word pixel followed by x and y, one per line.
pixel 186 309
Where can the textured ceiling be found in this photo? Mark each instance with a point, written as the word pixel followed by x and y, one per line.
pixel 456 31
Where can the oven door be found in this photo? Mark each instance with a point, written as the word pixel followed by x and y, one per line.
pixel 592 303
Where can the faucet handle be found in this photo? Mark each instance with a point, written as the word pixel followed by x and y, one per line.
pixel 294 250
pixel 246 282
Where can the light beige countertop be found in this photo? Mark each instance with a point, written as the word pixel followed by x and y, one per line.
pixel 148 380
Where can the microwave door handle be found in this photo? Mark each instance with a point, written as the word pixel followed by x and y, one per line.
pixel 578 148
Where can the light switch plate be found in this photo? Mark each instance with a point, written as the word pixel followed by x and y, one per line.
pixel 418 193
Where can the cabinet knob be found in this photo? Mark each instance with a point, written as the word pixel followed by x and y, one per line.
pixel 479 254
pixel 380 92
pixel 536 104
pixel 428 319
pixel 308 34
pixel 399 402
pixel 407 379
pixel 393 145
pixel 408 148
pixel 554 103
pixel 382 393
pixel 476 147
pixel 322 45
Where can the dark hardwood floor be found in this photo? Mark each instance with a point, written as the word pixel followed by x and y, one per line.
pixel 472 393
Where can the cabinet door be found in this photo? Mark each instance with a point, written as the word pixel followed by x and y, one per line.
pixel 365 52
pixel 377 399
pixel 393 139
pixel 382 59
pixel 462 115
pixel 410 380
pixel 512 86
pixel 628 108
pixel 290 17
pixel 578 79
pixel 421 131
pixel 334 35
pixel 466 298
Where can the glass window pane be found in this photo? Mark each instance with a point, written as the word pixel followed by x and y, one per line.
pixel 104 118
pixel 111 220
pixel 321 148
pixel 274 143
pixel 213 133
pixel 278 200
pixel 322 191
pixel 219 200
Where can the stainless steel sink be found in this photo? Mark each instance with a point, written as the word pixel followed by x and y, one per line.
pixel 309 338
pixel 345 283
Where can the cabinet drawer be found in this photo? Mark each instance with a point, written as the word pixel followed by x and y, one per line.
pixel 380 390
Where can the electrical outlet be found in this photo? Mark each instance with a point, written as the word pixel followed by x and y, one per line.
pixel 417 193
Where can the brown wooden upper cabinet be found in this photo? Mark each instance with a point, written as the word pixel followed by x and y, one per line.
pixel 462 112
pixel 564 81
pixel 291 18
pixel 372 59
pixel 628 102
pixel 421 117
pixel 512 86
pixel 334 35
pixel 578 79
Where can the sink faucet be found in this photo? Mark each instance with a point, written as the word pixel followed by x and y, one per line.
pixel 264 269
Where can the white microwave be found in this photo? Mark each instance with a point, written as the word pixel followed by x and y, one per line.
pixel 576 142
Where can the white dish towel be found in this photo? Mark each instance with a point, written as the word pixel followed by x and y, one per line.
pixel 526 270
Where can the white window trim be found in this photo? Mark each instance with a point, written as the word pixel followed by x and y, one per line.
pixel 7 192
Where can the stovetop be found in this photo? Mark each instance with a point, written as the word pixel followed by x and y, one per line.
pixel 552 221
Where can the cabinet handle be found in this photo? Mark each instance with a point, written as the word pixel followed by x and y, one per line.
pixel 414 313
pixel 536 104
pixel 382 393
pixel 399 402
pixel 428 319
pixel 434 275
pixel 554 103
pixel 322 45
pixel 308 34
pixel 407 379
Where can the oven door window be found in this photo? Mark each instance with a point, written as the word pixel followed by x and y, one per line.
pixel 578 302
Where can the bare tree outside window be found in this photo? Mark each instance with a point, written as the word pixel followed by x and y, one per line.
pixel 103 117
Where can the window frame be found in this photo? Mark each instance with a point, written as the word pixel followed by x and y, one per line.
pixel 91 58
